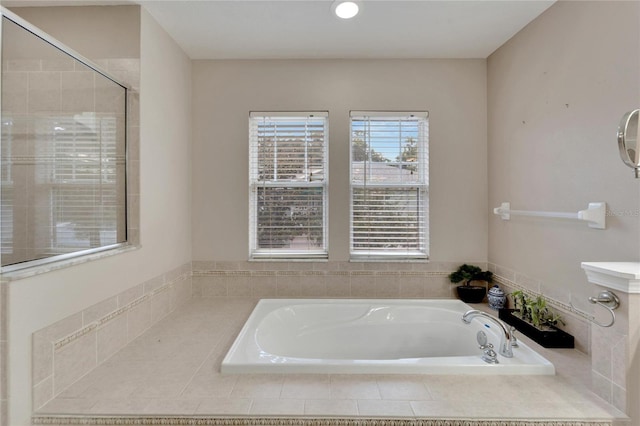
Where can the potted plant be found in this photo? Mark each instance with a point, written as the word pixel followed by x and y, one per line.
pixel 467 273
pixel 533 318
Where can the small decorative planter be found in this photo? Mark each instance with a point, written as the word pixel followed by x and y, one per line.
pixel 471 293
pixel 548 336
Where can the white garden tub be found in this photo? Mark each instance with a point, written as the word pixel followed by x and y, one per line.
pixel 370 336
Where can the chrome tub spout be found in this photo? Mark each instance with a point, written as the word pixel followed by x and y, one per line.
pixel 505 337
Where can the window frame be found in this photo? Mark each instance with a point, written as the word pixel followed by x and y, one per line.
pixel 264 254
pixel 422 186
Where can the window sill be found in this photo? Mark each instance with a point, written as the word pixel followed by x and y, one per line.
pixel 13 273
pixel 389 259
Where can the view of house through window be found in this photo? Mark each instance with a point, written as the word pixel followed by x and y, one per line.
pixel 63 185
pixel 389 185
pixel 288 184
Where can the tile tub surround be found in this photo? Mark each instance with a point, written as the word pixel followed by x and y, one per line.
pixel 358 280
pixel 170 375
pixel 67 350
pixel 409 280
pixel 578 323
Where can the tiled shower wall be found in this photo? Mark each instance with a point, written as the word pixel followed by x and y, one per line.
pixel 34 87
pixel 67 350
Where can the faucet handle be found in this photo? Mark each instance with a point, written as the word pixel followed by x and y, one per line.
pixel 489 355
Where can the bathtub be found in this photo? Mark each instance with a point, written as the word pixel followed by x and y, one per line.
pixel 372 337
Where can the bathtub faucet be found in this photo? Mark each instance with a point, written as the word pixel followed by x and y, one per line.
pixel 505 336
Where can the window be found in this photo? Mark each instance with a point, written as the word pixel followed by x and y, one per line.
pixel 288 185
pixel 389 185
pixel 62 168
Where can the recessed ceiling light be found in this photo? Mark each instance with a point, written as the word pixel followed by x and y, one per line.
pixel 345 9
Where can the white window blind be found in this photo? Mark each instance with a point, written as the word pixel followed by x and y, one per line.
pixel 389 185
pixel 288 184
pixel 80 186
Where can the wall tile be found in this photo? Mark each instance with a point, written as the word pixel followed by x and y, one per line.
pixel 173 274
pixel 338 285
pixel 99 310
pixel 263 286
pixel 63 63
pixel 42 340
pixel 363 286
pixel 130 295
pixel 619 398
pixel 306 386
pixel 387 286
pixel 331 407
pixel 133 186
pixel 133 107
pixel 214 286
pixel 24 65
pixel 238 286
pixel 439 287
pixel 139 319
pixel 112 337
pixel 110 97
pixel 224 406
pixel 42 393
pixel 160 305
pixel 78 93
pixel 313 285
pixel 402 387
pixel 197 285
pixel 385 408
pixel 258 386
pixel 44 92
pixel 289 286
pixel 182 292
pixel 601 359
pixel 412 287
pixel 619 363
pixel 345 386
pixel 153 284
pixel 278 407
pixel 15 92
pixel 602 386
pixel 205 265
pixel 73 361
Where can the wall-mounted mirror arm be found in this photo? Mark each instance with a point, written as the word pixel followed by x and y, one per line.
pixel 629 140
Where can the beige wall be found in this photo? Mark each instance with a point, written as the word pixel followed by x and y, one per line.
pixel 165 205
pixel 107 31
pixel 556 93
pixel 453 91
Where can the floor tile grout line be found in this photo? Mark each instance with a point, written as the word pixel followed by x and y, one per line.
pixel 209 354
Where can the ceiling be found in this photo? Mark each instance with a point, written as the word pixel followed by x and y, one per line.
pixel 287 29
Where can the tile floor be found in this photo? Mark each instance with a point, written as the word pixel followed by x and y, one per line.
pixel 173 369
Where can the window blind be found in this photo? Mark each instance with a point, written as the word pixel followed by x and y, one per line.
pixel 288 184
pixel 85 184
pixel 76 181
pixel 389 185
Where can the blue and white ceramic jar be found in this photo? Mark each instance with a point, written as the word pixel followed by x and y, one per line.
pixel 497 298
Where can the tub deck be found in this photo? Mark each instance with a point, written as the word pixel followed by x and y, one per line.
pixel 173 371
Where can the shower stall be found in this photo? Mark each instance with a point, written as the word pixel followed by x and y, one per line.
pixel 62 151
